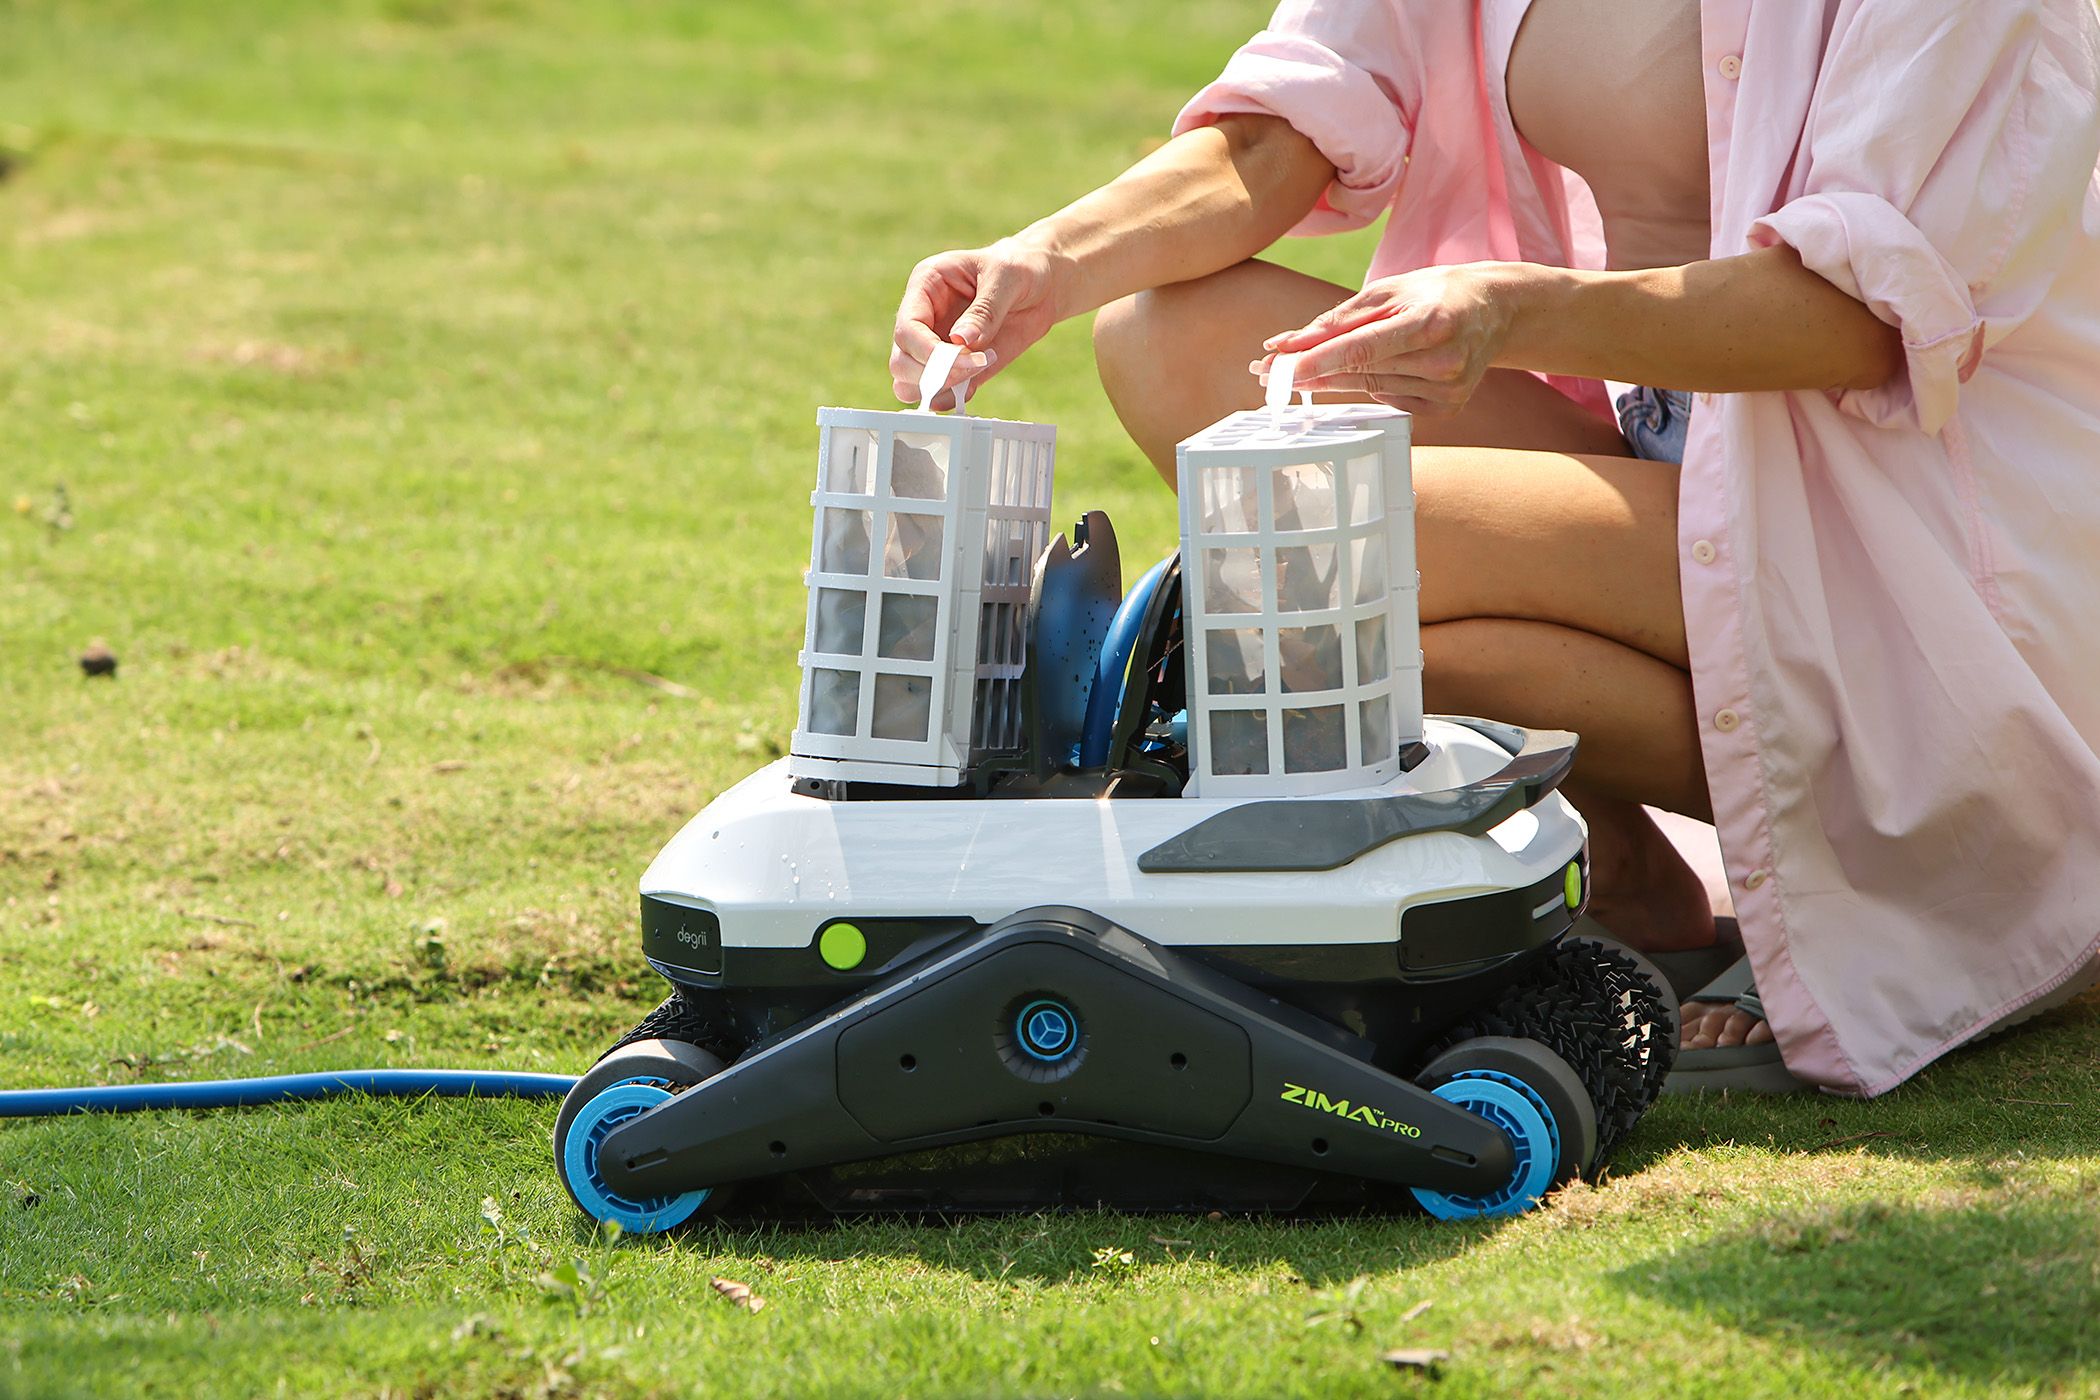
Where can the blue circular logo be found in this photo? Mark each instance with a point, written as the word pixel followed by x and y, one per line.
pixel 1047 1030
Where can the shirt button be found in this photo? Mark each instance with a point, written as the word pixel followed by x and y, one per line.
pixel 1703 551
pixel 1755 878
pixel 1732 67
pixel 1727 720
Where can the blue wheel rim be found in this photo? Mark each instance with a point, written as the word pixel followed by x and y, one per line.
pixel 1046 1030
pixel 1514 1107
pixel 594 1122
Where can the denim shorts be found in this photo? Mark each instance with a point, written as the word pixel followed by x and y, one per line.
pixel 1655 422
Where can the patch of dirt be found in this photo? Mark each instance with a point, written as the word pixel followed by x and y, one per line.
pixel 1679 1183
pixel 64 226
pixel 541 677
pixel 1566 1334
pixel 653 795
pixel 277 357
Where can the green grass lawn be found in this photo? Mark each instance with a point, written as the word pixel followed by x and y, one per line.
pixel 418 396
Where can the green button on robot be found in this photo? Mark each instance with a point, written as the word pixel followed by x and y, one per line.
pixel 843 947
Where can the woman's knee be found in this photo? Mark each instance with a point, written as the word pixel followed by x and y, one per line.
pixel 1127 334
pixel 1156 364
pixel 1188 331
pixel 1467 667
pixel 1174 359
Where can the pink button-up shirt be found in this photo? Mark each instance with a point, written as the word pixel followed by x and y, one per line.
pixel 1892 595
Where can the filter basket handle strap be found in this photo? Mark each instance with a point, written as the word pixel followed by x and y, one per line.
pixel 1283 374
pixel 934 378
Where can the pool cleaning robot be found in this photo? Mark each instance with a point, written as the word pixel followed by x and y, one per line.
pixel 1170 900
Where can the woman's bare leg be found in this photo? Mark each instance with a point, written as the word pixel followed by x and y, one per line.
pixel 1550 591
pixel 1640 747
pixel 1579 540
pixel 1550 599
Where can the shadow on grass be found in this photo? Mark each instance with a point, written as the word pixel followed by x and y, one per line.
pixel 1063 1250
pixel 1063 1245
pixel 1060 1245
pixel 1974 1291
pixel 2026 1094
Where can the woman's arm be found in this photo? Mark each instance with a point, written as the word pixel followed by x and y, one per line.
pixel 1205 200
pixel 1202 202
pixel 1760 321
pixel 1731 325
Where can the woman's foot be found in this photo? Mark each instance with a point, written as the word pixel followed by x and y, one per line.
pixel 1725 1044
pixel 1717 1025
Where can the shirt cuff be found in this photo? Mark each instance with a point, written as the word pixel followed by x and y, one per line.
pixel 1867 248
pixel 1333 103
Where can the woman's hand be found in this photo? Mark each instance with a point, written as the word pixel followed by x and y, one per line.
pixel 1205 200
pixel 994 302
pixel 1420 341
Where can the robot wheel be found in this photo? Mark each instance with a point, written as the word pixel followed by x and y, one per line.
pixel 1604 1012
pixel 1532 1094
pixel 631 1078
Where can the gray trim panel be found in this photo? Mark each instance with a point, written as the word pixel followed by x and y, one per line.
pixel 1313 833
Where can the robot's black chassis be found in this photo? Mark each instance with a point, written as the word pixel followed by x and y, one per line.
pixel 1059 1060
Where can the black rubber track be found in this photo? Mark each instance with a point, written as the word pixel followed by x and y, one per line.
pixel 1651 1026
pixel 679 1019
pixel 1593 1007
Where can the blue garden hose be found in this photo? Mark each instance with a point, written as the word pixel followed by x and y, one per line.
pixel 281 1088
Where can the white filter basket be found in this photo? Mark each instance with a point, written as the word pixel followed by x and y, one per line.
pixel 926 530
pixel 1299 600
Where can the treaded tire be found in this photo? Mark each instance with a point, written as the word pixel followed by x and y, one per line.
pixel 1592 1005
pixel 1670 1014
pixel 678 1019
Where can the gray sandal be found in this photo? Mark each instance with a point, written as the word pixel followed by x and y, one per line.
pixel 1755 1069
